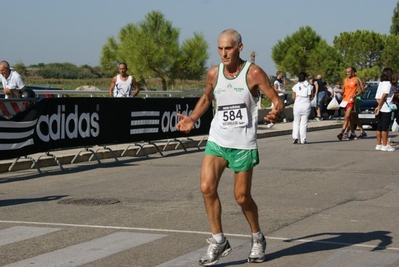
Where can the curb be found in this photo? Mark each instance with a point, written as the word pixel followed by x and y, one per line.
pixel 129 150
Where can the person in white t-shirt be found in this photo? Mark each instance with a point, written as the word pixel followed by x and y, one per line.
pixel 384 95
pixel 279 87
pixel 301 93
pixel 13 83
pixel 122 84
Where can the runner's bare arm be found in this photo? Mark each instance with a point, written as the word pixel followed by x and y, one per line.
pixel 187 122
pixel 258 80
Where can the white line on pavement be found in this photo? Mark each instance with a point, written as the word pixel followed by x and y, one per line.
pixel 79 254
pixel 194 232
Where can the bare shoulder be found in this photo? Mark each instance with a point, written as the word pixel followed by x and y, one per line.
pixel 211 75
pixel 212 72
pixel 257 76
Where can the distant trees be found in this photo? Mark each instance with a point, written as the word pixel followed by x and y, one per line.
pixel 305 50
pixel 367 51
pixel 21 69
pixel 68 71
pixel 363 50
pixel 151 49
pixel 395 20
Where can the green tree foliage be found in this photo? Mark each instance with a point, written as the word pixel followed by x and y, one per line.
pixel 395 20
pixel 67 71
pixel 390 54
pixel 151 49
pixel 305 51
pixel 21 69
pixel 372 73
pixel 361 49
pixel 190 63
pixel 109 58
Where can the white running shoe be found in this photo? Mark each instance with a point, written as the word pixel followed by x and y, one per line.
pixel 387 148
pixel 215 251
pixel 378 147
pixel 269 125
pixel 258 247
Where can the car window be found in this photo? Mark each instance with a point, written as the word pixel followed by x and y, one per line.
pixel 370 92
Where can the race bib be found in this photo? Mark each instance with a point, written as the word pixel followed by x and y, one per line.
pixel 233 115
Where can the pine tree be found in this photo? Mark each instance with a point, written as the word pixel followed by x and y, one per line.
pixel 395 20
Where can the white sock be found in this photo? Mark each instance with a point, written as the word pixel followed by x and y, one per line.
pixel 258 235
pixel 219 238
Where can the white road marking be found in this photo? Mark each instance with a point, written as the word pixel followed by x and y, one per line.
pixel 89 251
pixel 195 232
pixel 192 258
pixel 20 233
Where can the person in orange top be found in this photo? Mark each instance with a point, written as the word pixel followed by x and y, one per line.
pixel 351 82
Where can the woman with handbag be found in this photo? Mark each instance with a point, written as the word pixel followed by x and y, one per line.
pixel 383 111
pixel 301 93
pixel 338 96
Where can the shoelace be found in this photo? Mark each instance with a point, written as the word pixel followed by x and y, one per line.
pixel 212 247
pixel 256 246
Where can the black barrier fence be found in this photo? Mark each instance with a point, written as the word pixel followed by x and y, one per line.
pixel 57 123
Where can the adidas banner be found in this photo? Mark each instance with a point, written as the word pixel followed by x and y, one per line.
pixel 56 123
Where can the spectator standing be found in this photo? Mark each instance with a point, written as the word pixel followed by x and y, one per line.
pixel 279 86
pixel 13 83
pixel 329 96
pixel 384 95
pixel 337 90
pixel 320 93
pixel 301 93
pixel 122 84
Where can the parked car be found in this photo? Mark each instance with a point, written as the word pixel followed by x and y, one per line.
pixel 367 106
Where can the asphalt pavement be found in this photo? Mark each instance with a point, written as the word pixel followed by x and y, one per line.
pixel 325 204
pixel 65 157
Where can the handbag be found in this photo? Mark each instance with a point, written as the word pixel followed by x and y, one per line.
pixel 313 103
pixel 333 105
pixel 391 106
pixel 395 126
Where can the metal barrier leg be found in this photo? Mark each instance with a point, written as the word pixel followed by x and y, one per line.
pixel 193 141
pixel 200 142
pixel 157 147
pixel 105 148
pixel 27 157
pixel 166 145
pixel 141 147
pixel 49 155
pixel 87 150
pixel 180 143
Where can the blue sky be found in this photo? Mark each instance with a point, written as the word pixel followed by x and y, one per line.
pixel 46 31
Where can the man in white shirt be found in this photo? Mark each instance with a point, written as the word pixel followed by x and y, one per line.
pixel 13 83
pixel 122 84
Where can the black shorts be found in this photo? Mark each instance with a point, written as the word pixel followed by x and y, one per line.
pixel 383 121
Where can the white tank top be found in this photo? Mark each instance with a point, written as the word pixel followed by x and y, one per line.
pixel 123 88
pixel 236 116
